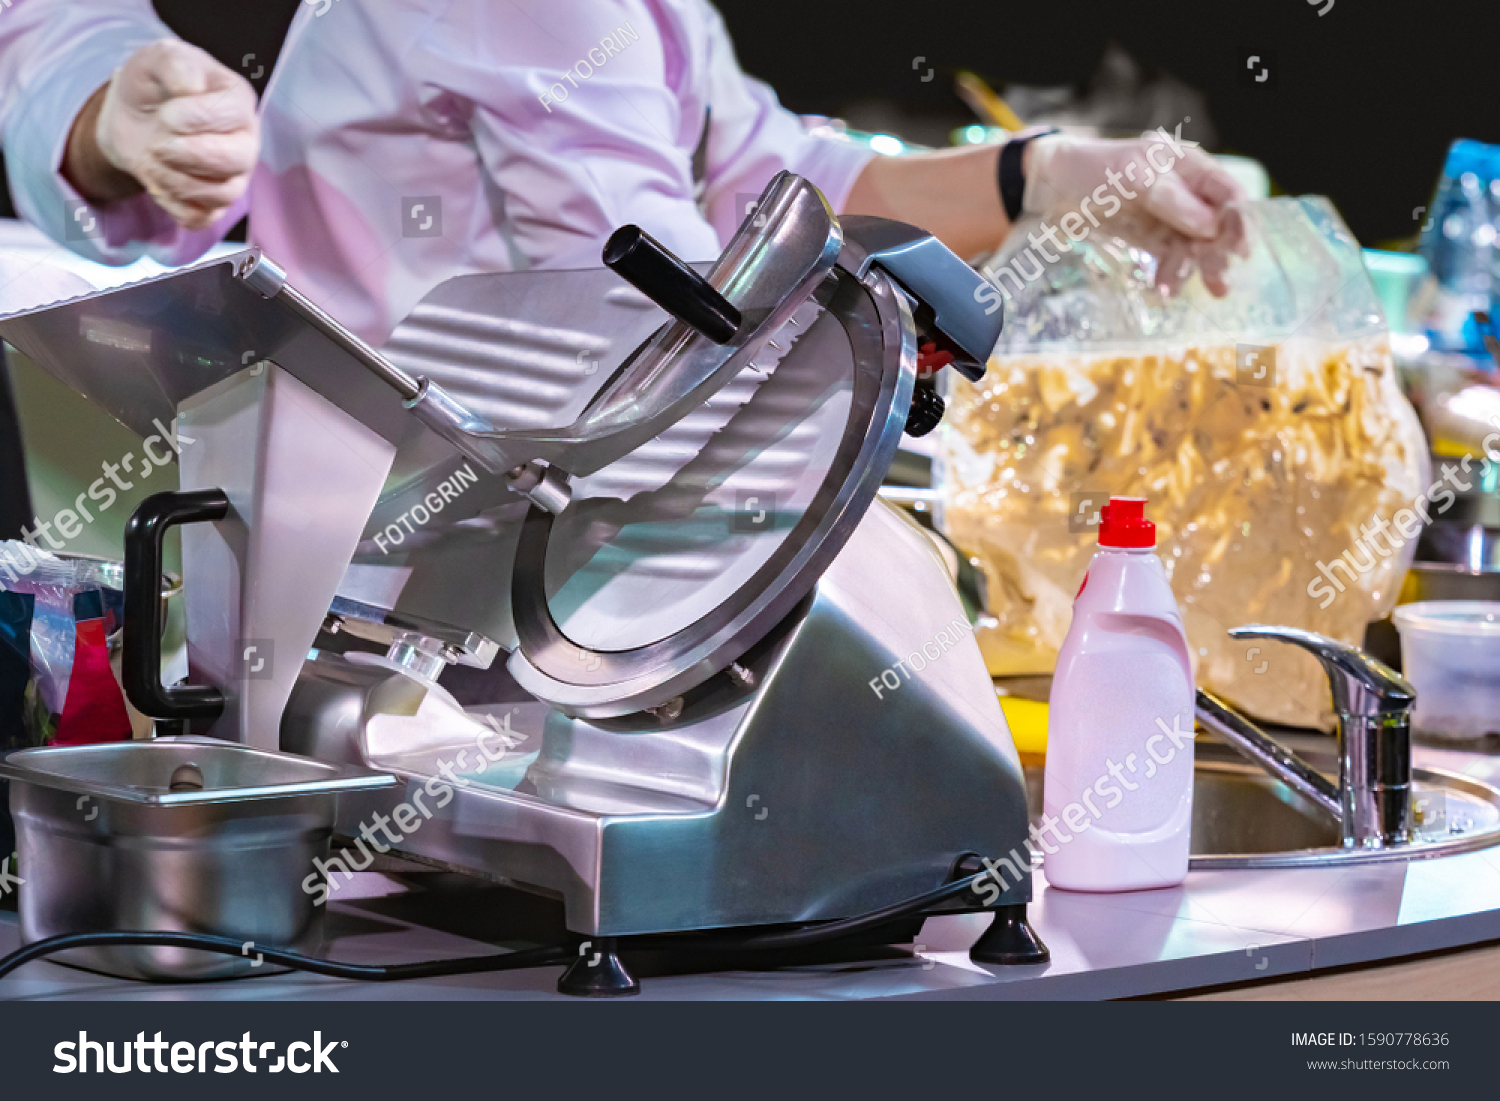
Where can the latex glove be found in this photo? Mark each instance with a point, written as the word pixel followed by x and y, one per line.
pixel 1177 197
pixel 184 126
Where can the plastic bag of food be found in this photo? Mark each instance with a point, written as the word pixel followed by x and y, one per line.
pixel 1283 467
pixel 60 613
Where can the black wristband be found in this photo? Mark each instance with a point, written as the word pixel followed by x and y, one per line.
pixel 1012 178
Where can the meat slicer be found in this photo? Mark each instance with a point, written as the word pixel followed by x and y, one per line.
pixel 653 485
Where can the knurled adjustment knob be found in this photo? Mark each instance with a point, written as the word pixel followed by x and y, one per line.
pixel 926 411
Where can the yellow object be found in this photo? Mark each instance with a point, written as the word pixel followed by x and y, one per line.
pixel 985 103
pixel 1410 589
pixel 1027 720
pixel 1444 448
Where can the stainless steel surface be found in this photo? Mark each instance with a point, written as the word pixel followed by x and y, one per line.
pixel 263 276
pixel 529 349
pixel 1244 818
pixel 423 656
pixel 269 280
pixel 1381 810
pixel 806 795
pixel 775 261
pixel 1221 720
pixel 334 698
pixel 278 413
pixel 141 772
pixel 1372 704
pixel 106 843
pixel 1218 928
pixel 301 477
pixel 141 350
pixel 525 349
pixel 376 624
pixel 627 601
pixel 547 487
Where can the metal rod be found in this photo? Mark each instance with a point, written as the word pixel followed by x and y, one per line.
pixel 372 360
pixel 1228 724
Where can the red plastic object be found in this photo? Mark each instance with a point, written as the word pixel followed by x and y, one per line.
pixel 930 360
pixel 95 708
pixel 1123 523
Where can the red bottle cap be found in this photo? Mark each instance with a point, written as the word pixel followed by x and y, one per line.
pixel 1123 523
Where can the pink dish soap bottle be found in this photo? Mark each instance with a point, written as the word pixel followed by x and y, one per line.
pixel 1118 801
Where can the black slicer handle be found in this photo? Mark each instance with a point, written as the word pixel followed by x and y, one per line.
pixel 140 664
pixel 644 262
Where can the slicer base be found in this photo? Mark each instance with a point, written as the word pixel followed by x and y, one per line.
pixel 1010 940
pixel 598 972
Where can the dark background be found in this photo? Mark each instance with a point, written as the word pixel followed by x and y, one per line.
pixel 1362 104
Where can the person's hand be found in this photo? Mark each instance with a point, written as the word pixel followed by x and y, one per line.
pixel 1180 203
pixel 183 127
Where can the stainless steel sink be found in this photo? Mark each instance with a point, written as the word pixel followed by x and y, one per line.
pixel 1303 800
pixel 1274 807
pixel 1244 818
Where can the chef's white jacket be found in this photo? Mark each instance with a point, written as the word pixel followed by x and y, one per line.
pixel 407 141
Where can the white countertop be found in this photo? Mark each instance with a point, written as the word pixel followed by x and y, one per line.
pixel 1218 927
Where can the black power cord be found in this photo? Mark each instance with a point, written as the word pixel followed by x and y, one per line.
pixel 822 933
pixel 225 946
pixel 808 936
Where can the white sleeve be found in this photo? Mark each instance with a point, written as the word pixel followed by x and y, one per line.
pixel 576 158
pixel 752 137
pixel 54 54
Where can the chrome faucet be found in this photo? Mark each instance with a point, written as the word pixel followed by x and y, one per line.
pixel 1372 802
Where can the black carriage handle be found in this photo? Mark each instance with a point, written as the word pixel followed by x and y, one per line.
pixel 647 264
pixel 140 664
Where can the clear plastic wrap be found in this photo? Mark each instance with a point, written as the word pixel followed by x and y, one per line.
pixel 71 615
pixel 1266 428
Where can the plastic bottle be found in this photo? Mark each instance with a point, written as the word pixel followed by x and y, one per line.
pixel 1458 242
pixel 1118 803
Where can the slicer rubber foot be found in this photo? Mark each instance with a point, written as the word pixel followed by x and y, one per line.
pixel 598 972
pixel 1009 940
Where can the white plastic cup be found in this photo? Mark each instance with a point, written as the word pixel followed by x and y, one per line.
pixel 1450 651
